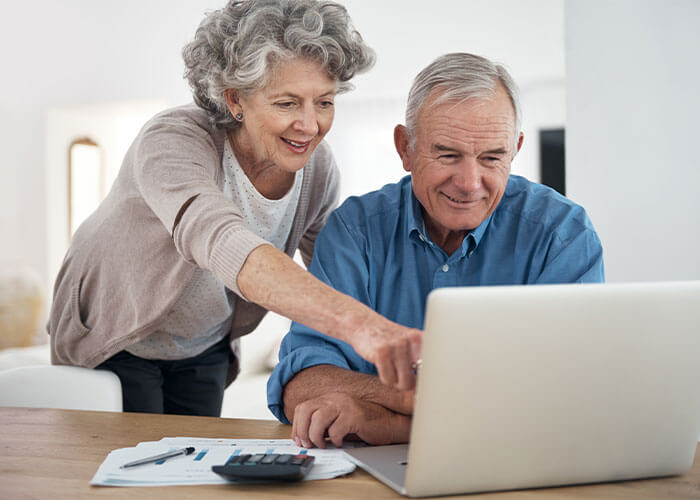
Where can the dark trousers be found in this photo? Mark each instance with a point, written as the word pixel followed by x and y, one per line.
pixel 192 386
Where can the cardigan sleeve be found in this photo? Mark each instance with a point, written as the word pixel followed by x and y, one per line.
pixel 176 164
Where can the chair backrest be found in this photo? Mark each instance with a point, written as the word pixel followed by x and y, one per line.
pixel 65 387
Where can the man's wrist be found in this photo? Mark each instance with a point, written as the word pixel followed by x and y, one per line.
pixel 400 402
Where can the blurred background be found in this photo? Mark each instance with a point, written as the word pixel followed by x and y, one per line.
pixel 609 94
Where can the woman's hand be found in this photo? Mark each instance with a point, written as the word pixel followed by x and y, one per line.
pixel 392 348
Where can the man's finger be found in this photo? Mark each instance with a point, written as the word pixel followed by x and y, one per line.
pixel 302 419
pixel 338 430
pixel 321 419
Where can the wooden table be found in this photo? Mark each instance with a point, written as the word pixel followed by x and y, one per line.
pixel 54 454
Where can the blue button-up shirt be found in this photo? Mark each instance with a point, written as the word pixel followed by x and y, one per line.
pixel 376 249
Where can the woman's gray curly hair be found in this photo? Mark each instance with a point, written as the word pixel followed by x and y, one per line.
pixel 238 46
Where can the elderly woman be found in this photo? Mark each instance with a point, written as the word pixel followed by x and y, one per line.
pixel 194 241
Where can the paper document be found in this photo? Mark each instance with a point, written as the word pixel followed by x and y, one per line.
pixel 196 468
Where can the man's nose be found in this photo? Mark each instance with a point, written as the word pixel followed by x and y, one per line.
pixel 307 121
pixel 468 175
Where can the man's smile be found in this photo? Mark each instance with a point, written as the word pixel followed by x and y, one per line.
pixel 461 201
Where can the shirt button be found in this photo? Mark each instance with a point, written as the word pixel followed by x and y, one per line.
pixel 445 268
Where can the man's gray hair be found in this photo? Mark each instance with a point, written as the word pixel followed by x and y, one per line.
pixel 460 76
pixel 238 47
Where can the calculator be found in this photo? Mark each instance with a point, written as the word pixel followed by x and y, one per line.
pixel 265 467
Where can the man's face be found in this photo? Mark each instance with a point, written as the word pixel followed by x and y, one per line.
pixel 459 162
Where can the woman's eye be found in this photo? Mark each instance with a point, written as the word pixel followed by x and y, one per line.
pixel 326 104
pixel 285 104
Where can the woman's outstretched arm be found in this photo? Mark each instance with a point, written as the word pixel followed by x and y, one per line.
pixel 273 280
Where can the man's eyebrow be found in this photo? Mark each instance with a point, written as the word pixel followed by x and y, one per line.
pixel 442 148
pixel 497 151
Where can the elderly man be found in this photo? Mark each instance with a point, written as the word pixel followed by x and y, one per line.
pixel 459 219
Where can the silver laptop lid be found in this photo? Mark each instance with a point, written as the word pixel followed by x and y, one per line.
pixel 555 384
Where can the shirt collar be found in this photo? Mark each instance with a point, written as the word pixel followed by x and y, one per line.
pixel 418 233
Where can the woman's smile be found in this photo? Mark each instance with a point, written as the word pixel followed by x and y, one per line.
pixel 299 147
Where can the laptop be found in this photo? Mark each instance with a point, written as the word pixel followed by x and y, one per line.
pixel 548 385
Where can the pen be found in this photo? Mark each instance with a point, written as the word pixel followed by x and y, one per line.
pixel 157 458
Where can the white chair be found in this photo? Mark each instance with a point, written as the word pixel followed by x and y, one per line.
pixel 65 387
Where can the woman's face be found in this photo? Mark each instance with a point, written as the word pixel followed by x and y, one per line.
pixel 284 122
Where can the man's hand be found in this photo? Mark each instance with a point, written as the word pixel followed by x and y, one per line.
pixel 319 380
pixel 393 349
pixel 339 415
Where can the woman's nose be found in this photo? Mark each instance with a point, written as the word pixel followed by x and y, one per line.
pixel 307 121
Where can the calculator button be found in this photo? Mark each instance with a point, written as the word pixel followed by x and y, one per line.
pixel 283 459
pixel 254 459
pixel 238 459
pixel 298 459
pixel 269 458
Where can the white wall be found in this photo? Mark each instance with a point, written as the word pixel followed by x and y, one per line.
pixel 632 119
pixel 77 53
pixel 527 37
pixel 112 127
pixel 71 53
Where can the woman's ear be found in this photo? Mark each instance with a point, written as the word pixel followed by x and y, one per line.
pixel 232 101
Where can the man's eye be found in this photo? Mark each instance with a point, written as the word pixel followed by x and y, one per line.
pixel 447 157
